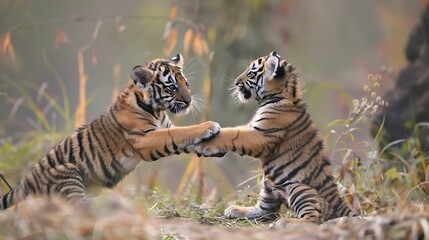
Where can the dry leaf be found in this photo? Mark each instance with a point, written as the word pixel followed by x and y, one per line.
pixel 94 58
pixel 61 37
pixel 205 46
pixel 169 24
pixel 187 39
pixel 7 47
pixel 173 13
pixel 116 80
pixel 200 46
pixel 197 45
pixel 171 42
pixel 6 42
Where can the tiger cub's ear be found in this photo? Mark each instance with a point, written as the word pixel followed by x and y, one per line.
pixel 178 60
pixel 141 76
pixel 271 66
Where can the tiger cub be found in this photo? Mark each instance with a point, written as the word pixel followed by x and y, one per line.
pixel 282 135
pixel 135 128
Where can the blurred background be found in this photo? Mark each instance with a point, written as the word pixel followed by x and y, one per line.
pixel 62 63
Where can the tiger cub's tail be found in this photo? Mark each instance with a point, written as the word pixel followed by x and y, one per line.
pixel 7 200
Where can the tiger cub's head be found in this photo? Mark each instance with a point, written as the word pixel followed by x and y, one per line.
pixel 267 79
pixel 163 85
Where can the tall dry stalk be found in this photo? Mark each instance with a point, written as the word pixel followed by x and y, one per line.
pixel 196 37
pixel 83 78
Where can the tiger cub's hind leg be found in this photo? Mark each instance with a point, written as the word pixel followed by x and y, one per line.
pixel 268 203
pixel 65 180
pixel 306 203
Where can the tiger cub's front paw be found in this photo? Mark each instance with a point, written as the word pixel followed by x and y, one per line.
pixel 235 211
pixel 206 149
pixel 210 148
pixel 208 129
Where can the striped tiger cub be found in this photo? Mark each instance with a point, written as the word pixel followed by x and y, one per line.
pixel 283 137
pixel 135 128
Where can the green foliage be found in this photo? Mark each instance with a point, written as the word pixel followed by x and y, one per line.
pixel 17 156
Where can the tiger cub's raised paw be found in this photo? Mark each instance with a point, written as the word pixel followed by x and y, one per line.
pixel 209 129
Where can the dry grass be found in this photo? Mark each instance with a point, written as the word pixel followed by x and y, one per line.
pixel 112 216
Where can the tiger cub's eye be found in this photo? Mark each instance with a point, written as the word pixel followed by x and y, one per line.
pixel 250 75
pixel 171 88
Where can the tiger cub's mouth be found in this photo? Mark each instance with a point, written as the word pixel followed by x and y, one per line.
pixel 179 108
pixel 244 94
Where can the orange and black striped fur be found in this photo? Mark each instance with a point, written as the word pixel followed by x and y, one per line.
pixel 135 128
pixel 283 137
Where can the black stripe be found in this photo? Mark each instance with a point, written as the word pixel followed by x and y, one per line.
pixel 262 119
pixel 160 154
pixel 4 200
pixel 107 142
pixel 281 167
pixel 89 140
pixel 273 130
pixel 319 147
pixel 243 150
pixel 285 184
pixel 114 128
pixel 310 202
pixel 107 176
pixel 293 188
pixel 279 170
pixel 43 174
pixel 145 107
pixel 50 160
pixel 98 157
pixel 30 186
pixel 297 194
pixel 344 211
pixel 153 157
pixel 296 101
pixel 330 194
pixel 274 100
pixel 175 147
pixel 112 115
pixel 327 179
pixel 317 172
pixel 117 169
pixel 313 135
pixel 166 149
pixel 269 209
pixel 66 145
pixel 80 143
pixel 71 155
pixel 35 179
pixel 259 154
pixel 140 132
pixel 303 126
pixel 302 215
pixel 59 154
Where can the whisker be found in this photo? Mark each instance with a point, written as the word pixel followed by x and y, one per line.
pixel 197 104
pixel 189 65
pixel 189 75
pixel 244 63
